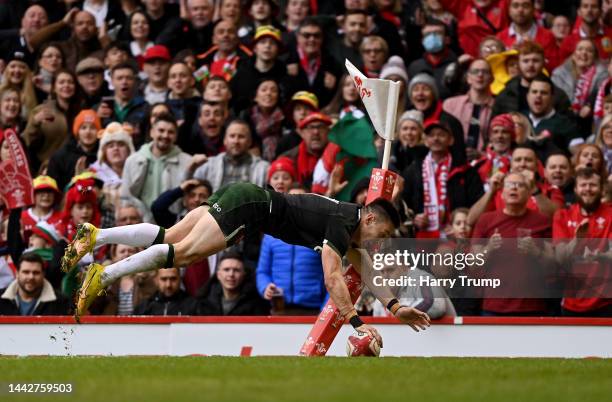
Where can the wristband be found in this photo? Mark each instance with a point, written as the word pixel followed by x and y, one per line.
pixel 355 321
pixel 393 306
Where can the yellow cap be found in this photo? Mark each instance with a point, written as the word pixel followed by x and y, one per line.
pixel 267 30
pixel 306 97
pixel 45 183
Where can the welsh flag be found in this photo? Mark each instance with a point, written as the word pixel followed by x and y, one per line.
pixel 378 96
pixel 351 146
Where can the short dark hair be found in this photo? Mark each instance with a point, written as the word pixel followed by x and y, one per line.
pixel 241 122
pixel 587 173
pixel 547 80
pixel 116 44
pixel 30 257
pixel 126 65
pixel 204 183
pixel 167 117
pixel 310 21
pixel 355 12
pixel 386 209
pixel 436 22
pixel 230 254
pixel 557 153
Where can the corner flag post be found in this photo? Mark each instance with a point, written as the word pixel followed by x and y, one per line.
pixel 380 98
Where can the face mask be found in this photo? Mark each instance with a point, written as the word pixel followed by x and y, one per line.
pixel 433 43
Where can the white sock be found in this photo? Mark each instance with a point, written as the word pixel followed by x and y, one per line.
pixel 154 257
pixel 139 235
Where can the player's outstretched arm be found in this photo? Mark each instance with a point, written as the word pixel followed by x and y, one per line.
pixel 338 291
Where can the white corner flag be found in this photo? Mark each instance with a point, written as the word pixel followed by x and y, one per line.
pixel 380 98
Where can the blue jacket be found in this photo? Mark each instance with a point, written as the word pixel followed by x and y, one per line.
pixel 295 269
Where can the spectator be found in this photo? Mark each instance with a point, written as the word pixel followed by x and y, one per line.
pixel 314 129
pixel 18 75
pixel 20 40
pixel 155 167
pixel 520 271
pixel 192 31
pixel 523 26
pixel 309 68
pixel 130 291
pixel 193 192
pixel 108 14
pixel 30 294
pixel 374 53
pixel 544 117
pixel 477 19
pixel 437 56
pixel 217 89
pixel 346 44
pixel 90 76
pixel 156 63
pixel 581 234
pixel 514 97
pixel 83 40
pixel 394 70
pixel 295 12
pixel 541 144
pixel 169 299
pixel 47 197
pixel 266 118
pixel 128 214
pixel 223 57
pixel 230 10
pixel 264 65
pixel 10 110
pixel 499 151
pixel 560 29
pixel 590 155
pixel 473 109
pixel 115 53
pixel 544 199
pixel 558 173
pixel 139 30
pixel 236 163
pixel 347 99
pixel 490 45
pixel 231 291
pixel 409 145
pixel 604 141
pixel 126 106
pixel 159 17
pixel 182 98
pixel 50 61
pixel 438 183
pixel 580 77
pixel 78 152
pixel 48 123
pixel 206 136
pixel 590 27
pixel 293 273
pixel 260 13
pixel 302 103
pixel 423 94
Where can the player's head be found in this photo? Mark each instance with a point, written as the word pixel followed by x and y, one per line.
pixel 588 188
pixel 379 219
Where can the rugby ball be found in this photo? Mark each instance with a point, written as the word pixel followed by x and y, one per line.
pixel 362 344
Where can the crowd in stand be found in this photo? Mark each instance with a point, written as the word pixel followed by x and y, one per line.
pixel 135 111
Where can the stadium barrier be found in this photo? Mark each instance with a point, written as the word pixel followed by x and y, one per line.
pixel 235 336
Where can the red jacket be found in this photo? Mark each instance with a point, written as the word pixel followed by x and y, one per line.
pixel 544 38
pixel 603 40
pixel 472 28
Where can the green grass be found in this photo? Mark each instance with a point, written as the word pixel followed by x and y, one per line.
pixel 173 379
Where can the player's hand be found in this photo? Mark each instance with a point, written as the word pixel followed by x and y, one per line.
pixel 370 330
pixel 269 292
pixel 416 319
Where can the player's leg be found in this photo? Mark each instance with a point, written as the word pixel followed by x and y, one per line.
pixel 205 238
pixel 182 228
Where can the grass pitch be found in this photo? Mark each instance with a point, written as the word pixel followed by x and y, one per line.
pixel 173 379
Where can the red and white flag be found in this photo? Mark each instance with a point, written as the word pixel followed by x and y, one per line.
pixel 380 98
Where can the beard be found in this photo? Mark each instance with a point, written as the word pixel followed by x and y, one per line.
pixel 591 206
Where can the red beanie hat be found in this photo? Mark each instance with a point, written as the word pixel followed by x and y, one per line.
pixel 283 164
pixel 505 121
pixel 83 191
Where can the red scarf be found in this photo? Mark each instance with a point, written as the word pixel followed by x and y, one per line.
pixel 435 116
pixel 581 91
pixel 435 59
pixel 599 101
pixel 224 67
pixel 268 128
pixel 391 17
pixel 311 67
pixel 435 196
pixel 306 163
pixel 370 74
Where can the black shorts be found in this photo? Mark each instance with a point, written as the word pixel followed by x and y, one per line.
pixel 239 209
